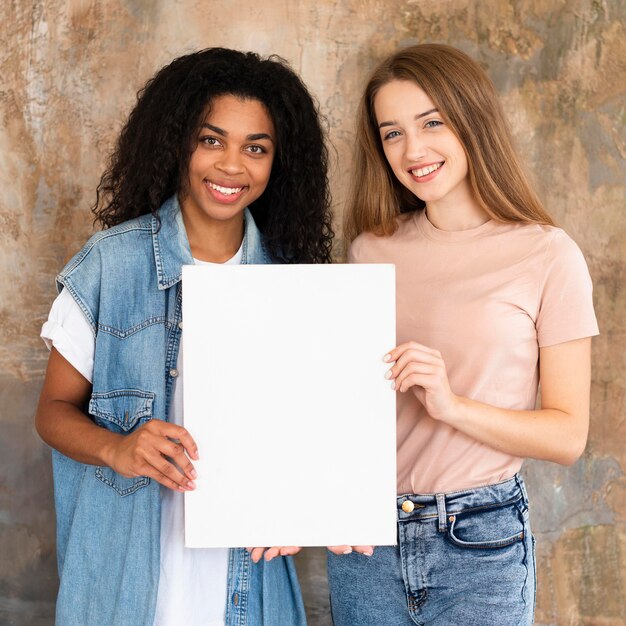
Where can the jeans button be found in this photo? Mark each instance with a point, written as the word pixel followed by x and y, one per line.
pixel 173 373
pixel 408 506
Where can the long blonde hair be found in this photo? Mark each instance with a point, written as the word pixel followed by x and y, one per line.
pixel 469 104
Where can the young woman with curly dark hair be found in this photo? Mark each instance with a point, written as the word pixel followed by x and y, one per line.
pixel 222 160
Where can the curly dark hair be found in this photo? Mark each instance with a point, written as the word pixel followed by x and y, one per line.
pixel 151 158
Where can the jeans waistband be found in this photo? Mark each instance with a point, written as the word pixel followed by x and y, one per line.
pixel 415 506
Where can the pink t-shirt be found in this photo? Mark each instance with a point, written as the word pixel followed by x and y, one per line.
pixel 487 298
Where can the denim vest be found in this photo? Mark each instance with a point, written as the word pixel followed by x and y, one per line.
pixel 127 281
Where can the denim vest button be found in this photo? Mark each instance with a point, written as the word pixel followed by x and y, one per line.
pixel 173 373
pixel 235 598
pixel 180 325
pixel 408 506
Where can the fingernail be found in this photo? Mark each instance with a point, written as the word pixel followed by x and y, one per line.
pixel 367 553
pixel 193 473
pixel 387 358
pixel 393 385
pixel 388 374
pixel 191 484
pixel 348 551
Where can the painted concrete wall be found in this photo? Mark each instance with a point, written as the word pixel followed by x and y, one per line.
pixel 68 73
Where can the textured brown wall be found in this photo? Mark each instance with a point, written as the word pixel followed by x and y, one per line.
pixel 68 73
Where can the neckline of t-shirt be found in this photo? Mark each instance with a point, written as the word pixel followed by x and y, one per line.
pixel 455 236
pixel 234 260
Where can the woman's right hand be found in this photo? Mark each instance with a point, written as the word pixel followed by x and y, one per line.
pixel 159 450
pixel 62 424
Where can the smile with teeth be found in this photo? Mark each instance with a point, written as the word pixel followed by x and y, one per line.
pixel 424 171
pixel 227 191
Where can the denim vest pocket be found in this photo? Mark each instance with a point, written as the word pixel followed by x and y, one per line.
pixel 121 411
pixel 488 527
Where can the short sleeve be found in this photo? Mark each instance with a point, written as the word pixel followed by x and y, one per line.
pixel 565 300
pixel 69 332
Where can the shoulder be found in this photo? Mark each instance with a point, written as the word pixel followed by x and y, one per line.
pixel 564 262
pixel 542 233
pixel 554 258
pixel 112 244
pixel 543 243
pixel 370 244
pixel 561 245
pixel 107 262
pixel 555 244
pixel 360 246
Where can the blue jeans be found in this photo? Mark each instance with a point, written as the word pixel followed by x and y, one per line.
pixel 465 557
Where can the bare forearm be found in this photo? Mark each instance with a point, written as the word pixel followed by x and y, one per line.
pixel 556 432
pixel 67 429
pixel 155 449
pixel 548 434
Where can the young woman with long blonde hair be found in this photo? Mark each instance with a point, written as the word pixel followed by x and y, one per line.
pixel 492 298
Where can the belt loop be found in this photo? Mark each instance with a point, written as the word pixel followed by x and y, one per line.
pixel 441 512
pixel 522 487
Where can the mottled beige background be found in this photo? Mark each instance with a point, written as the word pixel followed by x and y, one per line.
pixel 68 73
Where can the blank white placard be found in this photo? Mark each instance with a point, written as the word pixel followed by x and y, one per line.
pixel 285 395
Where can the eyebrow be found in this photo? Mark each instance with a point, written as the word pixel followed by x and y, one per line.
pixel 224 133
pixel 417 117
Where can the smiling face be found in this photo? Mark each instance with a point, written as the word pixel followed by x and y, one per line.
pixel 423 152
pixel 231 163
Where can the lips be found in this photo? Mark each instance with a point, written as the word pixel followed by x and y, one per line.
pixel 224 193
pixel 425 170
pixel 227 191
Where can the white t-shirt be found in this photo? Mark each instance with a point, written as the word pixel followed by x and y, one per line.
pixel 193 581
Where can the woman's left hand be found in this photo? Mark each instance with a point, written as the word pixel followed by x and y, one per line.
pixel 269 553
pixel 422 370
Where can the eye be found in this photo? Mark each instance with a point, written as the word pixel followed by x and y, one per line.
pixel 433 123
pixel 256 149
pixel 392 134
pixel 209 140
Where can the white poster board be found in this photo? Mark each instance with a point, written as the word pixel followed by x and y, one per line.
pixel 285 395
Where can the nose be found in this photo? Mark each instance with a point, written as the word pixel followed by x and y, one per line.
pixel 230 161
pixel 415 147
